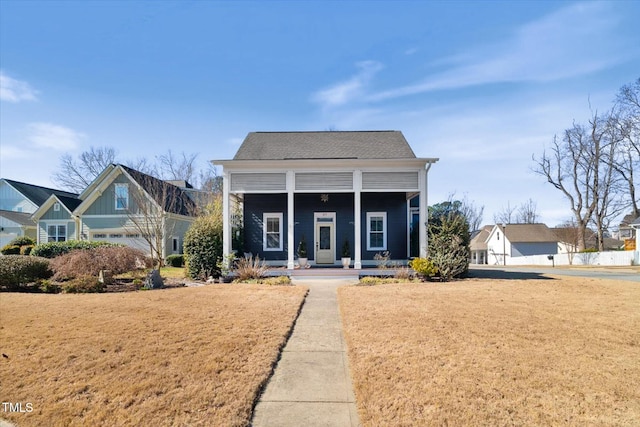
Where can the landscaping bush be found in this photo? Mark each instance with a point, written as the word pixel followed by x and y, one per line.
pixel 83 284
pixel 117 260
pixel 16 271
pixel 250 269
pixel 203 244
pixel 423 267
pixel 49 287
pixel 22 241
pixel 54 249
pixel 26 250
pixel 175 260
pixel 10 250
pixel 449 240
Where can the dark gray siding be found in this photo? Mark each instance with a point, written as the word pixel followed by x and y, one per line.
pixel 305 205
pixel 395 205
pixel 254 206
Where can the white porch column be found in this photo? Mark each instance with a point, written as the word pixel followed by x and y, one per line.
pixel 226 220
pixel 422 183
pixel 357 208
pixel 291 248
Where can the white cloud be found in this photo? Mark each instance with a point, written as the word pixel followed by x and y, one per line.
pixel 10 152
pixel 49 135
pixel 576 40
pixel 346 91
pixel 13 90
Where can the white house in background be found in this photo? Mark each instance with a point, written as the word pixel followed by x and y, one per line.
pixel 508 241
pixel 18 200
pixel 636 226
pixel 478 245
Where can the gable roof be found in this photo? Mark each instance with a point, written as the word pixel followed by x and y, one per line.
pixel 635 223
pixel 529 233
pixel 69 203
pixel 171 198
pixel 479 240
pixel 324 145
pixel 21 218
pixel 37 194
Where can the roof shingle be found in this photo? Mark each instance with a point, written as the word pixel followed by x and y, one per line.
pixel 325 145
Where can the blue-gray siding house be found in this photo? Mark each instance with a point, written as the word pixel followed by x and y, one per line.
pixel 367 188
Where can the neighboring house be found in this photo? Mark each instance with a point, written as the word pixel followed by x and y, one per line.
pixel 635 224
pixel 18 200
pixel 515 240
pixel 625 230
pixel 15 224
pixel 122 205
pixel 568 240
pixel 478 245
pixel 367 188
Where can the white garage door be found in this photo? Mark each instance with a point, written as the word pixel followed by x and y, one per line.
pixel 5 238
pixel 130 239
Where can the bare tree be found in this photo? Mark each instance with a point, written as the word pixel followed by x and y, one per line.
pixel 472 213
pixel 626 118
pixel 76 174
pixel 527 213
pixel 571 166
pixel 177 166
pixel 156 206
pixel 506 215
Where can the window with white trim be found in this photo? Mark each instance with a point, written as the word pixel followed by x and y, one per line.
pixel 56 207
pixel 56 233
pixel 272 231
pixel 122 196
pixel 376 231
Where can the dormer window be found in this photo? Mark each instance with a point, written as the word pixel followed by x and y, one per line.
pixel 122 197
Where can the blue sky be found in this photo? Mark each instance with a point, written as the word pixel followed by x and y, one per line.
pixel 482 85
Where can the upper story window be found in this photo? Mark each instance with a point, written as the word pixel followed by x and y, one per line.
pixel 376 231
pixel 122 196
pixel 56 207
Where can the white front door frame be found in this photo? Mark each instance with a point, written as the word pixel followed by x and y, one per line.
pixel 324 219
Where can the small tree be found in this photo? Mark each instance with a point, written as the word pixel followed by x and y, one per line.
pixel 449 239
pixel 203 243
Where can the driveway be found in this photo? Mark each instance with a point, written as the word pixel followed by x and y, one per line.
pixel 533 272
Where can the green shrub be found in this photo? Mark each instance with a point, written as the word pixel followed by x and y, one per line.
pixel 176 260
pixel 89 262
pixel 82 285
pixel 17 271
pixel 26 250
pixel 54 249
pixel 49 287
pixel 423 267
pixel 10 250
pixel 203 243
pixel 22 241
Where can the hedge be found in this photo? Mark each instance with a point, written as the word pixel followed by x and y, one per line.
pixel 16 271
pixel 54 249
pixel 176 260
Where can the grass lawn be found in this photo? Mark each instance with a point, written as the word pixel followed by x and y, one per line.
pixel 185 356
pixel 564 351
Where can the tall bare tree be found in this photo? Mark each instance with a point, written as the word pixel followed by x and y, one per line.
pixel 507 215
pixel 571 165
pixel 527 213
pixel 76 174
pixel 626 118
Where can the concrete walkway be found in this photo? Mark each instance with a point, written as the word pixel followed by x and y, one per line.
pixel 311 385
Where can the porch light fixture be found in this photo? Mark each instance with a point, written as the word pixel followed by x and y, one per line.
pixel 324 198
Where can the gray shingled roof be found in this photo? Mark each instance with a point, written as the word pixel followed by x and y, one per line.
pixel 36 193
pixel 325 145
pixel 529 233
pixel 21 218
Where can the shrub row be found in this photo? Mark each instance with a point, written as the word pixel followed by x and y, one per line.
pixel 54 249
pixel 175 260
pixel 17 271
pixel 19 246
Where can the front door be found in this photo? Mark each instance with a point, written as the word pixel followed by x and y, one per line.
pixel 325 243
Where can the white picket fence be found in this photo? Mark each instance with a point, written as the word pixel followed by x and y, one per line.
pixel 620 258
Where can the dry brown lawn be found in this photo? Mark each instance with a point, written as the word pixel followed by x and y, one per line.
pixel 186 356
pixel 492 352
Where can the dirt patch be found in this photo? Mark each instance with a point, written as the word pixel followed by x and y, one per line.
pixel 564 351
pixel 187 356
